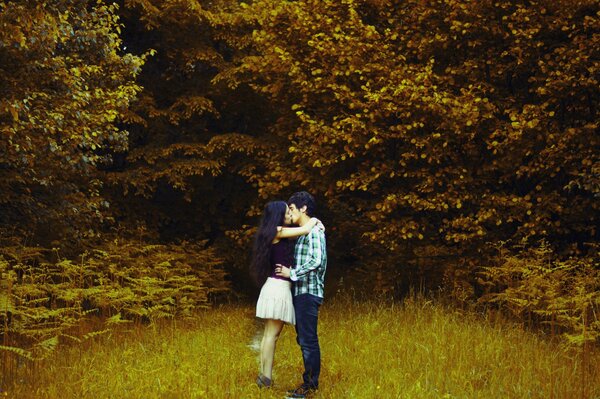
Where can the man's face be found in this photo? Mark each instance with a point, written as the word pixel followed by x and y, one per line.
pixel 295 212
pixel 288 216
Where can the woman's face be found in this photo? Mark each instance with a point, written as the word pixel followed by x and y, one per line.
pixel 288 216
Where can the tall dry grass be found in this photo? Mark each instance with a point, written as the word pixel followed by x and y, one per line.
pixel 417 349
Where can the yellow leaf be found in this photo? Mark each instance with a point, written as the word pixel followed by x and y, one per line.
pixel 14 114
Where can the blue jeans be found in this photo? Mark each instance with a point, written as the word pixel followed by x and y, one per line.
pixel 306 307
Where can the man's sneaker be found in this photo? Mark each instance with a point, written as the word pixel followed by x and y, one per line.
pixel 302 391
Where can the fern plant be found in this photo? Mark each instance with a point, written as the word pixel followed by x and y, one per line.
pixel 538 287
pixel 46 300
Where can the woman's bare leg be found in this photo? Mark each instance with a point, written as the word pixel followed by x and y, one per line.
pixel 267 346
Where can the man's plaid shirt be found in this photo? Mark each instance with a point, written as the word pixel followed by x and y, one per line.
pixel 310 257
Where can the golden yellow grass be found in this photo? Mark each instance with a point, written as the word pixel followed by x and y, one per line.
pixel 417 349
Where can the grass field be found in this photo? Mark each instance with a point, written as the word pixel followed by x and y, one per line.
pixel 416 349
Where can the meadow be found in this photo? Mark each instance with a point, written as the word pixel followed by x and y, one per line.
pixel 414 349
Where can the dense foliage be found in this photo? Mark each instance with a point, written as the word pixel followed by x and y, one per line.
pixel 65 83
pixel 445 125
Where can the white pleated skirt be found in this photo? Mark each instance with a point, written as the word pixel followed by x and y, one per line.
pixel 275 301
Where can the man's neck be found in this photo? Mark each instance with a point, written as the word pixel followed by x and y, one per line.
pixel 304 218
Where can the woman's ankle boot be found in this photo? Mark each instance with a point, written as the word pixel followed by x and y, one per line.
pixel 263 382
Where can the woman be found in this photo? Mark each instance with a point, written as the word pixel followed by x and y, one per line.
pixel 275 301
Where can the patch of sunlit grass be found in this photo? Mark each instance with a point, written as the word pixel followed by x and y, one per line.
pixel 417 349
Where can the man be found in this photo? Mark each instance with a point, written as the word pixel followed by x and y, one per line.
pixel 307 275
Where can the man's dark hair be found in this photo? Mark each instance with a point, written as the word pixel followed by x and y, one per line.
pixel 302 198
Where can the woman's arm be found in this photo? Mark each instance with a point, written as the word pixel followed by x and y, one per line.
pixel 288 232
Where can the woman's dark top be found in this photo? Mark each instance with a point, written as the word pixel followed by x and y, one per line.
pixel 281 253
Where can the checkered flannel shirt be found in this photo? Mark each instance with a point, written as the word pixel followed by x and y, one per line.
pixel 310 255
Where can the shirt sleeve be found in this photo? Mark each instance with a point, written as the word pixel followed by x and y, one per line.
pixel 313 258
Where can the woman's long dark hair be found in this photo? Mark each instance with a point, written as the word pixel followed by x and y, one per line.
pixel 273 216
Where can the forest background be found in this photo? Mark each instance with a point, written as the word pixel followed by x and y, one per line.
pixel 452 146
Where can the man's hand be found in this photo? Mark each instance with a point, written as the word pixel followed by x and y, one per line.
pixel 282 271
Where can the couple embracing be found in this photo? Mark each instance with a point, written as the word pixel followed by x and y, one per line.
pixel 292 278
